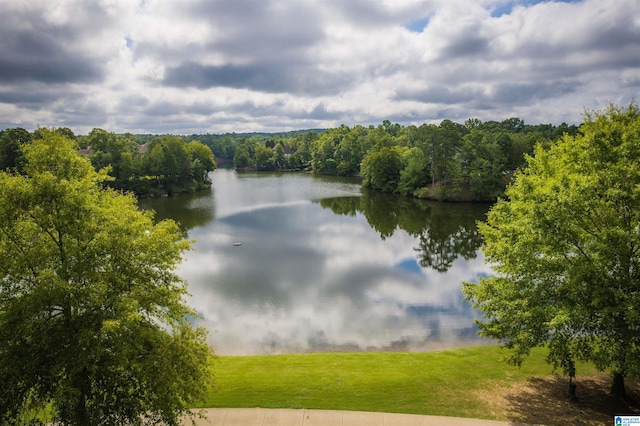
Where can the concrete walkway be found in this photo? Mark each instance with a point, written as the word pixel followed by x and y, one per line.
pixel 304 417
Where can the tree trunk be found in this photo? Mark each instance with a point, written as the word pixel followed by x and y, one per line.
pixel 617 388
pixel 80 413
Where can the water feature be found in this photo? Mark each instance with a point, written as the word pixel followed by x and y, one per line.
pixel 298 263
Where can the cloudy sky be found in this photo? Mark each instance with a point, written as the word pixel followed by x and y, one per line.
pixel 196 66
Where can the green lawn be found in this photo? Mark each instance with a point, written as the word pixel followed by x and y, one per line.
pixel 434 383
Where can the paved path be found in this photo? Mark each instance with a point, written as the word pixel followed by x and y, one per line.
pixel 282 417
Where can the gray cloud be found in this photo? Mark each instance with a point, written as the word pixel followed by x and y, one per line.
pixel 439 95
pixel 35 99
pixel 361 12
pixel 501 95
pixel 271 78
pixel 258 28
pixel 242 31
pixel 48 70
pixel 34 56
pixel 320 112
pixel 37 48
pixel 249 65
pixel 468 46
pixel 378 15
pixel 524 92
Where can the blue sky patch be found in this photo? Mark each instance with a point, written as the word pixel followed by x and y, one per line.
pixel 411 266
pixel 506 9
pixel 417 26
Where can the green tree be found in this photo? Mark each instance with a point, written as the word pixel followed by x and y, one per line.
pixel 301 149
pixel 472 123
pixel 513 124
pixel 482 163
pixel 566 251
pixel 242 158
pixel 350 152
pixel 445 160
pixel 279 157
pixel 265 158
pixel 429 141
pixel 178 166
pixel 11 141
pixel 380 137
pixel 381 169
pixel 113 151
pixel 154 161
pixel 67 132
pixel 202 160
pixel 93 323
pixel 414 174
pixel 245 152
pixel 324 150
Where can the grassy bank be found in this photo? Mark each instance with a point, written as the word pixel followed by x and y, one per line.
pixel 436 383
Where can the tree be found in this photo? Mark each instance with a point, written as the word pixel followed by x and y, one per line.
pixel 242 158
pixel 265 159
pixel 414 175
pixel 245 152
pixel 429 141
pixel 279 157
pixel 11 141
pixel 203 160
pixel 381 169
pixel 451 140
pixel 92 319
pixel 301 147
pixel 111 150
pixel 67 132
pixel 566 251
pixel 323 150
pixel 154 161
pixel 177 166
pixel 482 164
pixel 350 152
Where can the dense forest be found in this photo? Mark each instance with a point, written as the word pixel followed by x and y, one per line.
pixel 466 162
pixel 146 166
pixel 473 161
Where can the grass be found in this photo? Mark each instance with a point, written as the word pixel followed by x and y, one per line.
pixel 448 382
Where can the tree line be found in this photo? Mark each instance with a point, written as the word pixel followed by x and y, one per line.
pixel 146 166
pixel 473 161
pixel 448 161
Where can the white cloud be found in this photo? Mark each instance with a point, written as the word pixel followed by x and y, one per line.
pixel 223 65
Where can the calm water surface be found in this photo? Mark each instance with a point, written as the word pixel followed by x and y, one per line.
pixel 324 265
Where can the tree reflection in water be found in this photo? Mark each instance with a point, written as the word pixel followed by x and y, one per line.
pixel 354 270
pixel 446 231
pixel 194 209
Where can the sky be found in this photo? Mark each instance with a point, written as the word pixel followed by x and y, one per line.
pixel 216 66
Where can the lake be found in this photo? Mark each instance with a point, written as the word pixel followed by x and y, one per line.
pixel 292 262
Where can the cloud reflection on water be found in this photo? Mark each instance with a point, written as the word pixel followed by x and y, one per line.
pixel 306 279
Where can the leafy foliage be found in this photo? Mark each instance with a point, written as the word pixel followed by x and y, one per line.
pixel 381 169
pixel 565 246
pixel 11 141
pixel 162 165
pixel 449 161
pixel 473 161
pixel 92 318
